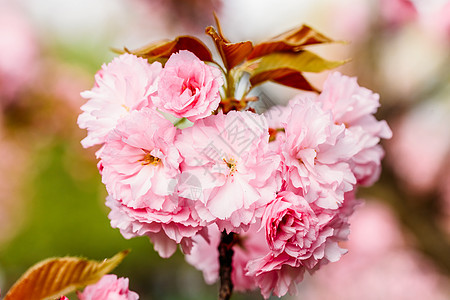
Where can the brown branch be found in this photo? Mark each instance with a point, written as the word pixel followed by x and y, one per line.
pixel 225 259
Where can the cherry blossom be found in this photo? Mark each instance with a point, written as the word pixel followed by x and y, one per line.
pixel 125 84
pixel 176 223
pixel 188 88
pixel 139 160
pixel 355 106
pixel 230 156
pixel 316 154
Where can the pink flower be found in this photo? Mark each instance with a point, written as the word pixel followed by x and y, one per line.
pixel 316 154
pixel 293 235
pixel 188 87
pixel 176 223
pixel 140 167
pixel 276 118
pixel 108 288
pixel 355 106
pixel 276 275
pixel 125 84
pixel 301 238
pixel 139 161
pixel 229 155
pixel 291 226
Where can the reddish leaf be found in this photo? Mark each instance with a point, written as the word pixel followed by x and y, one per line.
pixel 285 76
pixel 302 61
pixel 57 276
pixel 164 49
pixel 232 53
pixel 290 41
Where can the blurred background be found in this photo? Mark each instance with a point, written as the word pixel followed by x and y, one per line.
pixel 51 195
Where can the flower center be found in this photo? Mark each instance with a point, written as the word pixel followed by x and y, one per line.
pixel 188 86
pixel 231 164
pixel 150 160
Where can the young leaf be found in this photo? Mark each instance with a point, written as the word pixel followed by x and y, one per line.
pixel 302 61
pixel 164 49
pixel 285 76
pixel 232 54
pixel 54 277
pixel 291 41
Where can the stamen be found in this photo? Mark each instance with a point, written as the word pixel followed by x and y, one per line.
pixel 231 164
pixel 149 159
pixel 126 107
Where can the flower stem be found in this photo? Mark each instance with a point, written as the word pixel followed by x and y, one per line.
pixel 225 258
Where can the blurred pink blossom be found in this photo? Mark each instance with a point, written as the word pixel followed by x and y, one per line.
pixel 420 147
pixel 18 55
pixel 436 22
pixel 108 288
pixel 349 24
pixel 397 12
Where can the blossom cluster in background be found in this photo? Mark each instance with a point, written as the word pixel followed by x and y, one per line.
pixel 180 171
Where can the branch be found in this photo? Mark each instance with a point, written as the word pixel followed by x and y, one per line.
pixel 225 259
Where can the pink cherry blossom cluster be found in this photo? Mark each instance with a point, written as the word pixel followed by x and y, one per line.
pixel 326 146
pixel 180 171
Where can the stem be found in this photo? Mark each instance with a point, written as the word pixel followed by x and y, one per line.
pixel 225 258
pixel 230 85
pixel 179 122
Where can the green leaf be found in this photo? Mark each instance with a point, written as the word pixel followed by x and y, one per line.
pixel 54 277
pixel 302 61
